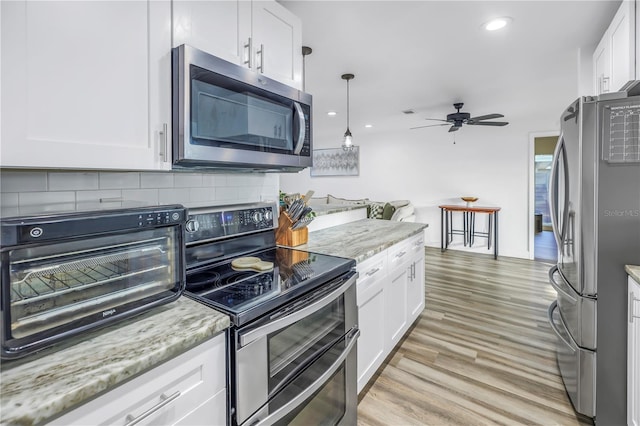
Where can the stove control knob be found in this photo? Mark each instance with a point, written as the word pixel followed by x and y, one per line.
pixel 192 226
pixel 257 217
pixel 268 215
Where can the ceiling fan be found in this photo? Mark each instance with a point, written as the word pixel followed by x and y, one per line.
pixel 457 119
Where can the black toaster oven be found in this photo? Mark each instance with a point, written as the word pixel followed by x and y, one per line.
pixel 65 274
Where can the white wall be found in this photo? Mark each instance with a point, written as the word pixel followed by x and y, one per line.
pixel 426 167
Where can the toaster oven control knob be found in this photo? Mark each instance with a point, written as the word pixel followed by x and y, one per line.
pixel 192 226
pixel 257 217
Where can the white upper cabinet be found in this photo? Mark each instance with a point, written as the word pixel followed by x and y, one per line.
pixel 261 35
pixel 86 84
pixel 277 43
pixel 614 60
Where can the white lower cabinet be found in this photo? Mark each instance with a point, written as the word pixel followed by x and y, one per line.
pixel 633 354
pixel 370 297
pixel 390 296
pixel 415 284
pixel 186 390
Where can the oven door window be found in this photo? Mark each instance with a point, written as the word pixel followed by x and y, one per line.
pixel 58 283
pixel 226 113
pixel 327 406
pixel 292 348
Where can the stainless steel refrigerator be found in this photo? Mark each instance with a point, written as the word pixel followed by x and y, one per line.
pixel 595 210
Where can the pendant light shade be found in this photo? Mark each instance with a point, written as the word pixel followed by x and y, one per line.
pixel 347 143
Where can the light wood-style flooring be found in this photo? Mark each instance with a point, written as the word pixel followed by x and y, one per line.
pixel 481 353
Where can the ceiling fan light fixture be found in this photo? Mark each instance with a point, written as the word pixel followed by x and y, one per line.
pixel 497 23
pixel 347 143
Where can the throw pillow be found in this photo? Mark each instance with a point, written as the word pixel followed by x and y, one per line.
pixel 375 210
pixel 388 211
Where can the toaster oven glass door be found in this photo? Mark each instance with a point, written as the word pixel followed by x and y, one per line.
pixel 75 282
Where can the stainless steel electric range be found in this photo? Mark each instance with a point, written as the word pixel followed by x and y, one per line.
pixel 292 357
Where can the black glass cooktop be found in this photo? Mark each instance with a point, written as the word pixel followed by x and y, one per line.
pixel 247 295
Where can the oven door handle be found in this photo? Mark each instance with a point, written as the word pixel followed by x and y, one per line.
pixel 255 334
pixel 302 396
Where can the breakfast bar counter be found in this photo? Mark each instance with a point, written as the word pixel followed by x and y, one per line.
pixel 361 239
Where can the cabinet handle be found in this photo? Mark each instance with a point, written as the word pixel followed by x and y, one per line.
pixel 164 400
pixel 632 301
pixel 249 48
pixel 261 54
pixel 399 255
pixel 372 272
pixel 164 146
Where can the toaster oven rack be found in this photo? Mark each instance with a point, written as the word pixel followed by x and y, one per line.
pixel 58 279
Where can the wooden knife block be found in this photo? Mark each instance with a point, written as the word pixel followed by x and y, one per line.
pixel 285 236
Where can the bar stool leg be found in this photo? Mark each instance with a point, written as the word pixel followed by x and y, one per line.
pixel 489 233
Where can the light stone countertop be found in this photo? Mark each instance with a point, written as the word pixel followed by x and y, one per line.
pixel 46 384
pixel 633 271
pixel 361 239
pixel 323 209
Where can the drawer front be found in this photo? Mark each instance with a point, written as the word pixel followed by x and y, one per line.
pixel 371 277
pixel 167 393
pixel 399 254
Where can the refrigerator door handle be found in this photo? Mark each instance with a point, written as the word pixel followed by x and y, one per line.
pixel 553 191
pixel 552 308
pixel 557 286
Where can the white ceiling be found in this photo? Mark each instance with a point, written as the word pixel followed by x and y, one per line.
pixel 426 55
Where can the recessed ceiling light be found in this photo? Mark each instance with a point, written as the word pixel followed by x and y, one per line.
pixel 332 113
pixel 368 126
pixel 497 23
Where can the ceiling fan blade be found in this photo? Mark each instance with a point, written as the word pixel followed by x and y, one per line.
pixel 489 123
pixel 436 119
pixel 454 128
pixel 428 125
pixel 486 117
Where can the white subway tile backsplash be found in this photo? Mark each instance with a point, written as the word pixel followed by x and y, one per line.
pixel 119 180
pixel 173 196
pixel 9 204
pixel 156 180
pixel 41 202
pixel 40 191
pixel 22 181
pixel 69 181
pixel 202 194
pixel 143 197
pixel 187 180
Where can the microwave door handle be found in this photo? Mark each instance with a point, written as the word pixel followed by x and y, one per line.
pixel 252 335
pixel 302 396
pixel 301 126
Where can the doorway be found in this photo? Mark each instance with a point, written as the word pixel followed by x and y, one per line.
pixel 544 244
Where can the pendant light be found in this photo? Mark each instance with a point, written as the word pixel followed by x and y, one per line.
pixel 347 144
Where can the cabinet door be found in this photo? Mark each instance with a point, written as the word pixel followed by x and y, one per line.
pixel 221 28
pixel 622 36
pixel 277 43
pixel 602 67
pixel 633 355
pixel 83 84
pixel 395 311
pixel 415 285
pixel 176 392
pixel 371 321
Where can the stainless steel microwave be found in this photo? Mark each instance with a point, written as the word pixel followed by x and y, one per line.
pixel 227 116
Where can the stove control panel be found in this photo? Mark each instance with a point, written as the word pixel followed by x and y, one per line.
pixel 222 222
